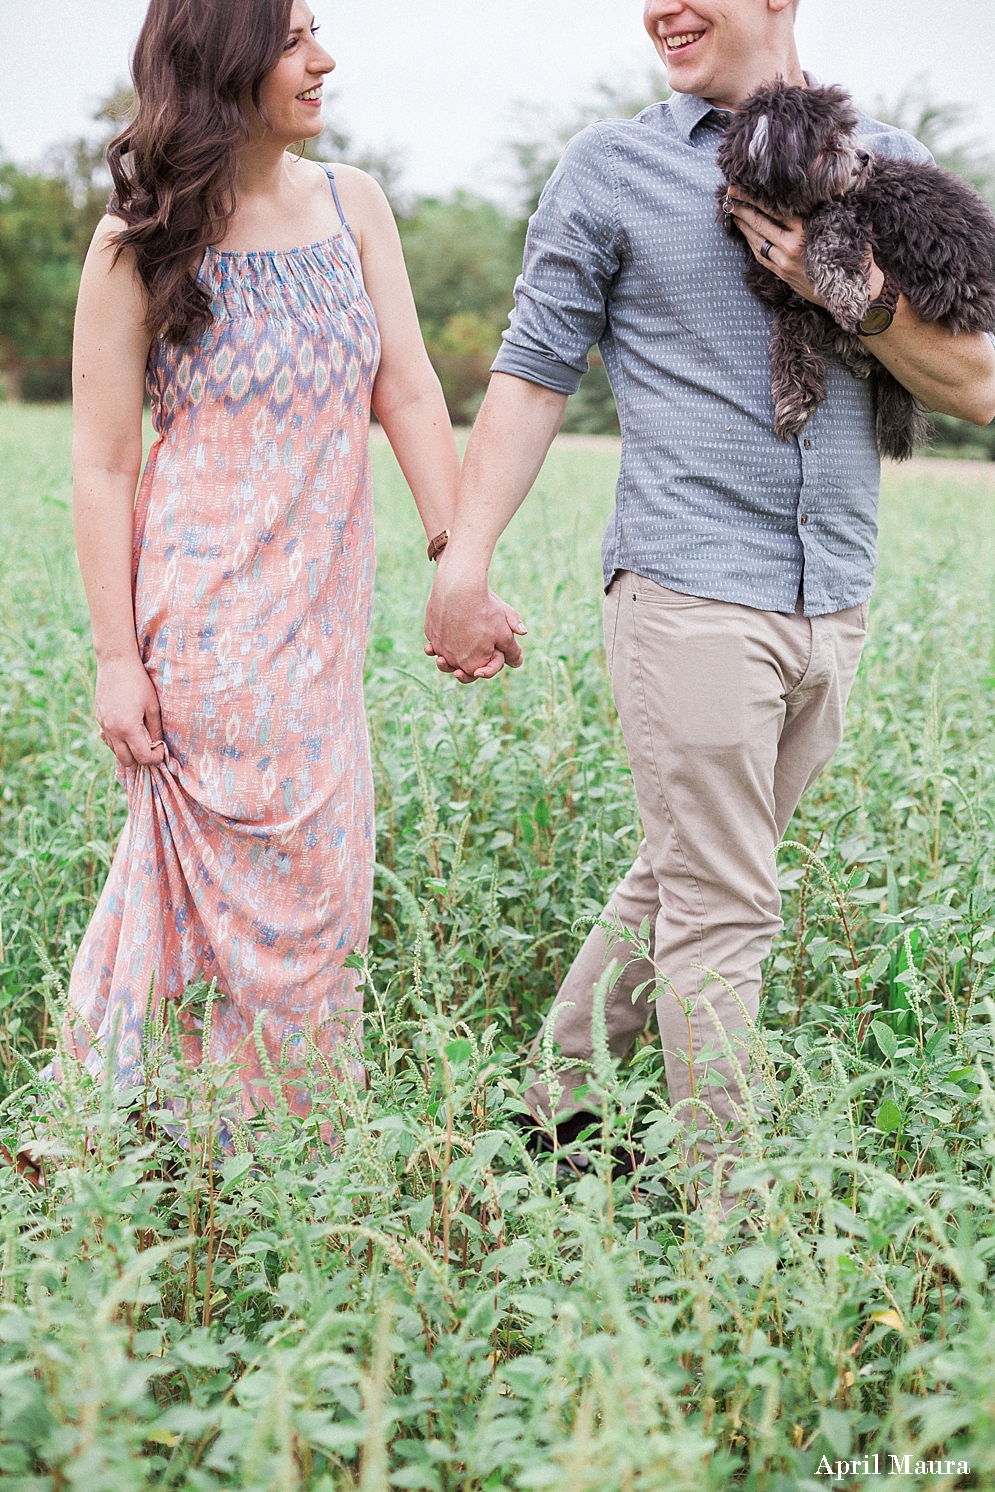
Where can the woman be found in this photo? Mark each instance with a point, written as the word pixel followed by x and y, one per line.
pixel 264 301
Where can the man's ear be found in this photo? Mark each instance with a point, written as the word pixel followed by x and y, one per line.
pixel 776 6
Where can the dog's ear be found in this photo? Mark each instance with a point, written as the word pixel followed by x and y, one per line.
pixel 760 145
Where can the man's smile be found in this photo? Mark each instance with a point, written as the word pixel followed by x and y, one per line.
pixel 684 40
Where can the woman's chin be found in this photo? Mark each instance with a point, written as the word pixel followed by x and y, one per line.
pixel 310 126
pixel 295 130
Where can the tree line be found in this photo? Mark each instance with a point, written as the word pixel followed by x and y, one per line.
pixel 463 250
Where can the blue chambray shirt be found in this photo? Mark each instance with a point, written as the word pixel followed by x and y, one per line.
pixel 625 251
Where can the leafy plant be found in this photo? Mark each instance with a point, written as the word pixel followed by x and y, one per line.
pixel 394 1292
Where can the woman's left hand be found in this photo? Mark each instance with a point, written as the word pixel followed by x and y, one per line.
pixel 787 241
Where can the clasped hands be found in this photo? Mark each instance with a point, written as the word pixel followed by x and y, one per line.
pixel 471 632
pixel 787 241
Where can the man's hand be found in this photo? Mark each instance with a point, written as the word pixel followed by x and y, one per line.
pixel 948 373
pixel 471 632
pixel 787 241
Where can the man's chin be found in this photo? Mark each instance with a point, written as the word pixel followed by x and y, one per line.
pixel 687 78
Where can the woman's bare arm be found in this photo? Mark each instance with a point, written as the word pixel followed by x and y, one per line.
pixel 407 397
pixel 110 350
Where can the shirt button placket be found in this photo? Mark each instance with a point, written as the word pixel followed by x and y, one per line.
pixel 808 456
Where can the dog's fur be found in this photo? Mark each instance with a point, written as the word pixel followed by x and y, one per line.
pixel 794 152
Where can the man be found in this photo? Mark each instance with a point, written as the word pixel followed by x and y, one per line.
pixel 738 568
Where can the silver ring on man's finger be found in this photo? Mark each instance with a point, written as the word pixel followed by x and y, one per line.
pixel 765 248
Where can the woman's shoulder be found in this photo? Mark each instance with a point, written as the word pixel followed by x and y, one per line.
pixel 106 233
pixel 351 181
pixel 364 204
pixel 107 256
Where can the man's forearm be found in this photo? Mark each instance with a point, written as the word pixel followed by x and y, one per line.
pixel 472 633
pixel 950 374
pixel 508 444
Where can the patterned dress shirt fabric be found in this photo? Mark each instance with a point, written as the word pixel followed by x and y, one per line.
pixel 625 250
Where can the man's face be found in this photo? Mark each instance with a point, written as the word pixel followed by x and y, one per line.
pixel 708 46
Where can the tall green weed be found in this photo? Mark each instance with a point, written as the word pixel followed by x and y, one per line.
pixel 190 1301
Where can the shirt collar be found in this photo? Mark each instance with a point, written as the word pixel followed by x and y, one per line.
pixel 687 110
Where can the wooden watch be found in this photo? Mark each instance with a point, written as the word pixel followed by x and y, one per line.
pixel 881 311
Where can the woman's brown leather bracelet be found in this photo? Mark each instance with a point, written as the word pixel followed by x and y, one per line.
pixel 438 544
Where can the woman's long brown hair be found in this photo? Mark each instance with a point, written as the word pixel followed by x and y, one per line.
pixel 197 68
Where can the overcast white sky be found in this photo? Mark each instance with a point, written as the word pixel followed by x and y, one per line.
pixel 439 78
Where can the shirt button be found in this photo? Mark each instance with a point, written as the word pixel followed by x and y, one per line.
pixel 808 445
pixel 803 518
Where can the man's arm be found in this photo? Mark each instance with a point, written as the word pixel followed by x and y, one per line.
pixel 467 627
pixel 950 374
pixel 572 254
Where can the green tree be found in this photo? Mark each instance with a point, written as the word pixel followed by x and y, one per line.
pixel 39 278
pixel 46 223
pixel 81 164
pixel 941 127
pixel 463 254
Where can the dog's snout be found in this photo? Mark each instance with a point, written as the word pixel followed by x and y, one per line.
pixel 863 156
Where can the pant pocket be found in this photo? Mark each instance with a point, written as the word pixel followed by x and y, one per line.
pixel 648 591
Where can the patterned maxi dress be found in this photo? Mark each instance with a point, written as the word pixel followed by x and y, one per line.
pixel 247 857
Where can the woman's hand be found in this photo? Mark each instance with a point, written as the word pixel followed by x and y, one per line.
pixel 475 626
pixel 128 712
pixel 786 242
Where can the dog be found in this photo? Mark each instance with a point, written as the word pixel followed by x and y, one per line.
pixel 794 153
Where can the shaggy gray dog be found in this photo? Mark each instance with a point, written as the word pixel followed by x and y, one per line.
pixel 793 151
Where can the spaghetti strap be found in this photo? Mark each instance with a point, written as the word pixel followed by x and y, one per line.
pixel 331 182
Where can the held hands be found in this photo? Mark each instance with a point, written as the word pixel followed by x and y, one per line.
pixel 785 242
pixel 471 632
pixel 127 708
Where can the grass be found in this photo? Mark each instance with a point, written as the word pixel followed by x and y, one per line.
pixel 424 1306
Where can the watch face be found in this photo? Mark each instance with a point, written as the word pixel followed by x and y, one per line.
pixel 878 319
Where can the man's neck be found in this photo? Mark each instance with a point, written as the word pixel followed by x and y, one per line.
pixel 739 89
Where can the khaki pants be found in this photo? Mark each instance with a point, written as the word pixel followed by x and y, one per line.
pixel 728 715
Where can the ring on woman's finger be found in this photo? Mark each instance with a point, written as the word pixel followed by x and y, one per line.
pixel 765 248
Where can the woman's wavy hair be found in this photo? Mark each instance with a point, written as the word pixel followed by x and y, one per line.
pixel 197 66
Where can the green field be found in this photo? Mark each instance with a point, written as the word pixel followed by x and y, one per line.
pixel 424 1306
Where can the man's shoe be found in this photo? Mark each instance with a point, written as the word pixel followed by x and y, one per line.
pixel 539 1140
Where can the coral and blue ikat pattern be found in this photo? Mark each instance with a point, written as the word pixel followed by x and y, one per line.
pixel 247 857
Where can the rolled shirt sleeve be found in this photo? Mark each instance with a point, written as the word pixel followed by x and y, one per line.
pixel 572 255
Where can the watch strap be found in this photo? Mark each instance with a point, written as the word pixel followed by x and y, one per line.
pixel 886 299
pixel 438 544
